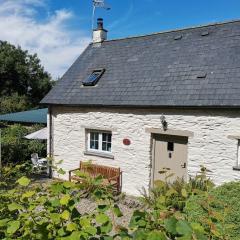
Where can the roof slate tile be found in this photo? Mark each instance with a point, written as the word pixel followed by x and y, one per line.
pixel 156 70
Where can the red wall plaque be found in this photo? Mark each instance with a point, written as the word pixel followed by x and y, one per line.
pixel 126 141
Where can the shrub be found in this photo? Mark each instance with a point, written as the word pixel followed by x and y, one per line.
pixel 225 202
pixel 37 211
pixel 50 212
pixel 15 148
pixel 10 173
pixel 14 103
pixel 174 194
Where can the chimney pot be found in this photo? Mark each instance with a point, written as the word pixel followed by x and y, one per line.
pixel 100 24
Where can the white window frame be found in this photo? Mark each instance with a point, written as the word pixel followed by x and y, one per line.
pixel 100 141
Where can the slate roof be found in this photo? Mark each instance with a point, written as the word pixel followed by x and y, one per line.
pixel 33 116
pixel 194 67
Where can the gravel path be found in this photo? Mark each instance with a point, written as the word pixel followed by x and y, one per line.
pixel 127 206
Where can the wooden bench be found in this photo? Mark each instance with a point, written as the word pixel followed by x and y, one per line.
pixel 113 176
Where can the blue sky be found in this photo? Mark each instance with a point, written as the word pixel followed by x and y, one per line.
pixel 134 17
pixel 59 30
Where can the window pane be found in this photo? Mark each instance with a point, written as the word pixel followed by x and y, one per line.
pixel 92 145
pixel 104 137
pixel 170 146
pixel 96 145
pixel 109 145
pixel 94 140
pixel 106 142
pixel 104 146
pixel 94 136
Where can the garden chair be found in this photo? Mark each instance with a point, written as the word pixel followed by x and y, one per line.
pixel 39 165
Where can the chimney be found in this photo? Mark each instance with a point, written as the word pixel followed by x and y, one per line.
pixel 99 34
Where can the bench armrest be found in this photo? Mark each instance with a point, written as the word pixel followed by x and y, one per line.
pixel 73 170
pixel 118 179
pixel 115 177
pixel 70 172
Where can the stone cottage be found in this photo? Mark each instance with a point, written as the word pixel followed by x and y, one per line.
pixel 168 99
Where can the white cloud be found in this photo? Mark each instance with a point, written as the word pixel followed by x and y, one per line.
pixel 56 45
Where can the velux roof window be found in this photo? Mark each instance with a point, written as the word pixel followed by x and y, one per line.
pixel 93 78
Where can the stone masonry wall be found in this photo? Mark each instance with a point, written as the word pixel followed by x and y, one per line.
pixel 210 145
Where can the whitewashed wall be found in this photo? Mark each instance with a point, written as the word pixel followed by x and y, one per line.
pixel 210 145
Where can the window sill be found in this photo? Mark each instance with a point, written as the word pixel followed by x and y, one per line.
pixel 236 168
pixel 99 154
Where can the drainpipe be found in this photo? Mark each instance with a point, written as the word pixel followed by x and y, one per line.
pixel 0 152
pixel 238 144
pixel 50 150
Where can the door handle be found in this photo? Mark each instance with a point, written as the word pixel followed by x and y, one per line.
pixel 184 165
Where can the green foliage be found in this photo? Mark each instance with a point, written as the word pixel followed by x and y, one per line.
pixel 11 173
pixel 14 103
pixel 222 205
pixel 23 181
pixel 167 202
pixel 15 148
pixel 94 186
pixel 23 83
pixel 31 211
pixel 21 78
pixel 166 194
pixel 50 212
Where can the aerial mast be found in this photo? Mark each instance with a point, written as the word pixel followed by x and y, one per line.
pixel 98 4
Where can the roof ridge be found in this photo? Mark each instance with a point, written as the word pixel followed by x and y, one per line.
pixel 175 30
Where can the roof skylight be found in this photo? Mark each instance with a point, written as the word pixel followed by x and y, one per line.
pixel 202 75
pixel 178 37
pixel 93 78
pixel 205 33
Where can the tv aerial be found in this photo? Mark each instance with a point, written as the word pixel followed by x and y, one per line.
pixel 98 4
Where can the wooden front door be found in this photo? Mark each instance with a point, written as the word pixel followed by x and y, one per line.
pixel 169 152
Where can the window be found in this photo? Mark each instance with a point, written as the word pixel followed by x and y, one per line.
pixel 93 78
pixel 99 141
pixel 178 37
pixel 205 33
pixel 170 146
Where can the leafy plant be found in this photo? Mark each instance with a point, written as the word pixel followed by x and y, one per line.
pixel 50 211
pixel 174 194
pixel 10 173
pixel 221 206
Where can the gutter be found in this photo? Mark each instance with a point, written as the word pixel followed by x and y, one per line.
pixel 190 107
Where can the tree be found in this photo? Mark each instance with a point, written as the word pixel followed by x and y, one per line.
pixel 14 103
pixel 21 77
